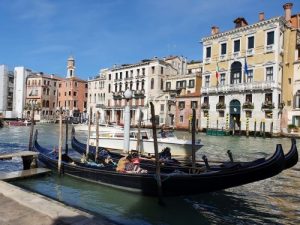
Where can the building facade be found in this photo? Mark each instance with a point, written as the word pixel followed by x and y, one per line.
pixel 72 93
pixel 146 80
pixel 42 92
pixel 243 75
pixel 6 92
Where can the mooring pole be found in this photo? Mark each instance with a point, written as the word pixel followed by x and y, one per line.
pixel 271 129
pixel 157 163
pixel 264 129
pixel 89 134
pixel 31 128
pixel 67 134
pixel 255 128
pixel 97 135
pixel 138 137
pixel 193 138
pixel 247 127
pixel 60 142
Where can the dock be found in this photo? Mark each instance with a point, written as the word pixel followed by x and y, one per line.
pixel 27 157
pixel 20 174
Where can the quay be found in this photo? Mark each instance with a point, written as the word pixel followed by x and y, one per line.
pixel 21 207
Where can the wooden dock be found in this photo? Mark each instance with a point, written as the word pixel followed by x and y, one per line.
pixel 20 174
pixel 18 154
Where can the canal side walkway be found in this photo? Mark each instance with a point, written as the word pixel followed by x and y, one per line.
pixel 22 207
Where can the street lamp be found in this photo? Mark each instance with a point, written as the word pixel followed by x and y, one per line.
pixel 127 96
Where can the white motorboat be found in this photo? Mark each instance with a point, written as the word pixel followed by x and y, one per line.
pixel 102 127
pixel 114 140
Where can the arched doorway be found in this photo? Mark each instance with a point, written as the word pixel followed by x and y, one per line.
pixel 235 113
pixel 236 73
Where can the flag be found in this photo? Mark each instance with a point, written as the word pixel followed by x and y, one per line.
pixel 217 71
pixel 246 67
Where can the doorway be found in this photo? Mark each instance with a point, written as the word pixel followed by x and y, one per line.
pixel 235 114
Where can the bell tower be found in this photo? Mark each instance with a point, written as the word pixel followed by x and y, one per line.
pixel 71 67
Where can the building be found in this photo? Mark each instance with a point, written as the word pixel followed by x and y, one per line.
pixel 42 91
pixel 244 75
pixel 146 79
pixel 72 93
pixel 291 112
pixel 19 95
pixel 6 92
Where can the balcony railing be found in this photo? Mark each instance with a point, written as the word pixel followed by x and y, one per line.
pixel 221 106
pixel 268 105
pixel 117 95
pixel 248 106
pixel 242 87
pixel 205 106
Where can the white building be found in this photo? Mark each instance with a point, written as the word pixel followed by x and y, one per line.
pixel 6 91
pixel 146 79
pixel 20 74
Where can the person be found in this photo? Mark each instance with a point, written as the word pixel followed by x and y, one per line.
pixel 122 163
pixel 105 158
pixel 165 154
pixel 134 166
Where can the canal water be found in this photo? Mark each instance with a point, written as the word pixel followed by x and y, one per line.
pixel 272 201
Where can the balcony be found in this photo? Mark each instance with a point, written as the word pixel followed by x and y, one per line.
pixel 205 106
pixel 236 55
pixel 117 95
pixel 139 94
pixel 242 87
pixel 267 106
pixel 250 52
pixel 207 60
pixel 220 106
pixel 269 48
pixel 248 106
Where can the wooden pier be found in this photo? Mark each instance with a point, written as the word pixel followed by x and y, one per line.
pixel 27 157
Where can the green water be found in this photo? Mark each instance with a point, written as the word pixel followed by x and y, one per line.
pixel 272 201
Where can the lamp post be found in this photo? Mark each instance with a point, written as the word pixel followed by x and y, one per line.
pixel 127 96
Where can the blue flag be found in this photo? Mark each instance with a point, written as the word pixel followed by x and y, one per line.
pixel 246 67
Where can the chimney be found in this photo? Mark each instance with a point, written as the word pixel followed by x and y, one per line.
pixel 261 16
pixel 214 30
pixel 287 11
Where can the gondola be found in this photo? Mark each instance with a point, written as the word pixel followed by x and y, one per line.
pixel 291 158
pixel 174 183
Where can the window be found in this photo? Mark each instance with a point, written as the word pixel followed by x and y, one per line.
pixel 206 83
pixel 69 93
pixel 161 70
pixel 161 84
pixel 143 71
pixel 223 49
pixel 116 76
pixel 290 80
pixel 108 88
pixel 221 113
pixel 222 79
pixel 153 69
pixel 208 52
pixel 249 98
pixel 248 114
pixel 109 76
pixel 76 85
pixel 131 73
pixel 138 72
pixel 126 74
pixel 168 86
pixel 236 45
pixel 54 84
pixel 251 42
pixel 269 73
pixel 181 105
pixel 75 103
pixel 194 104
pixel 191 83
pixel 75 93
pixel 152 83
pixel 298 48
pixel 181 119
pixel 162 107
pixel 180 84
pixel 249 76
pixel 268 97
pixel 121 75
pixel 270 38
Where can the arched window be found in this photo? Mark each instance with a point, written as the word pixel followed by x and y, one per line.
pixel 137 85
pixel 120 87
pixel 131 84
pixel 152 83
pixel 236 73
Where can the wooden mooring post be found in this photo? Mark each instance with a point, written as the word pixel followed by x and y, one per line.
pixel 97 135
pixel 60 142
pixel 255 128
pixel 271 129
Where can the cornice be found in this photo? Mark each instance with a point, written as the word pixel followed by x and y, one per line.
pixel 250 29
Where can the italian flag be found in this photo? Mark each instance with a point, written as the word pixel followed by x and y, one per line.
pixel 217 71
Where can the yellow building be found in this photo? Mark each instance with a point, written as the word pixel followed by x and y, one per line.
pixel 244 74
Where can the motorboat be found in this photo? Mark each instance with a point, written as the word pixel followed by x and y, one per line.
pixel 113 139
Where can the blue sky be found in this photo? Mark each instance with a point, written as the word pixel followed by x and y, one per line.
pixel 41 34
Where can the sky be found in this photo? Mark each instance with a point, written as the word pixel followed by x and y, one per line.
pixel 41 34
